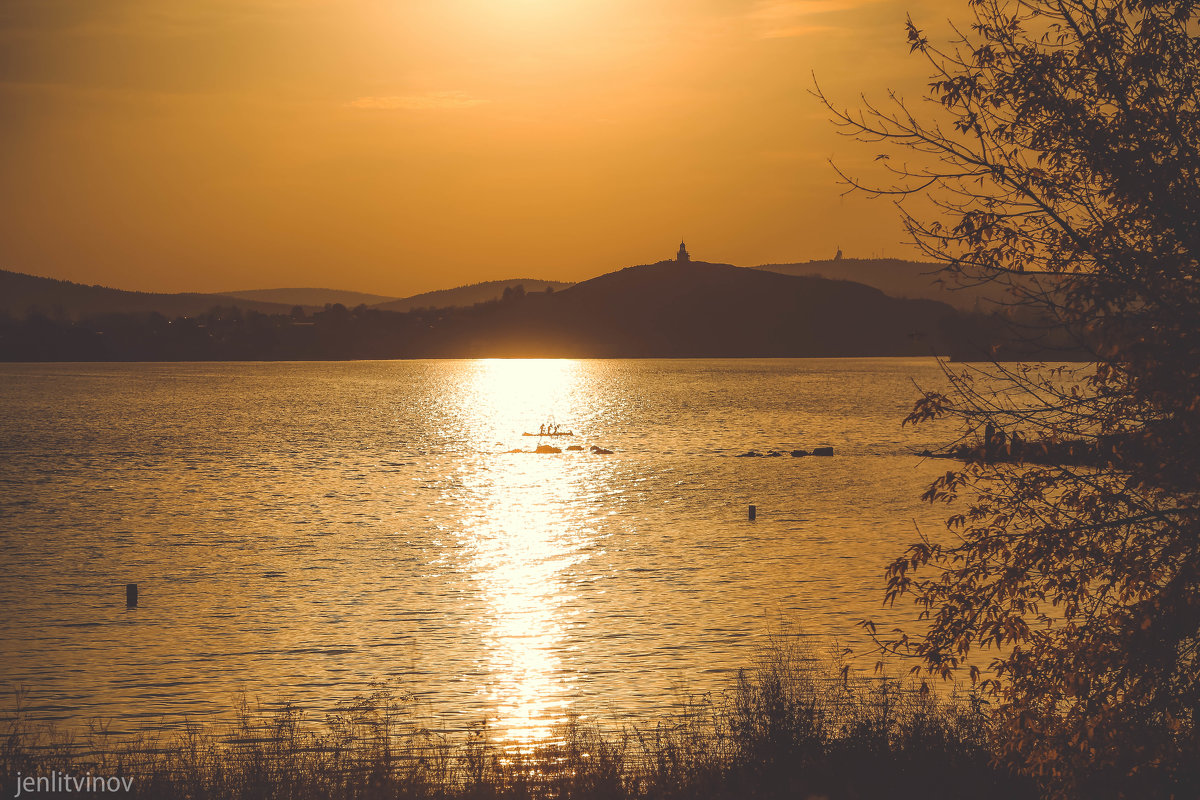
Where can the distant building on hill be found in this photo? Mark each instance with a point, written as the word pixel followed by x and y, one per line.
pixel 682 256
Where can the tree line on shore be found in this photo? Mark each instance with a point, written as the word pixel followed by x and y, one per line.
pixel 515 325
pixel 221 334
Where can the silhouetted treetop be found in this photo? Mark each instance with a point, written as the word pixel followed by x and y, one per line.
pixel 1063 136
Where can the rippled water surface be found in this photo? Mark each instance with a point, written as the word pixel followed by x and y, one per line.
pixel 298 531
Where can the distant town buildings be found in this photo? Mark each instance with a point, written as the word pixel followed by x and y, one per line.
pixel 682 256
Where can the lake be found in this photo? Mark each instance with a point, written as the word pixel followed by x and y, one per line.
pixel 300 530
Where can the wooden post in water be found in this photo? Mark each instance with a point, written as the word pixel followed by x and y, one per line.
pixel 131 595
pixel 753 512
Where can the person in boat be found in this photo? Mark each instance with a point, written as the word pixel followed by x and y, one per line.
pixel 542 430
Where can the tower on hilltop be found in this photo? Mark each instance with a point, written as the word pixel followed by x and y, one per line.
pixel 682 256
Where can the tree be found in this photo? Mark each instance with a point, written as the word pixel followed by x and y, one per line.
pixel 1062 159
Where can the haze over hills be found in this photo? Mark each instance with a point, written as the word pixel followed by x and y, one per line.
pixel 668 309
pixel 310 298
pixel 470 294
pixel 19 293
pixel 900 278
pixel 467 295
pixel 694 309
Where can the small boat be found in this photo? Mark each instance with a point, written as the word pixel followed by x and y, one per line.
pixel 559 433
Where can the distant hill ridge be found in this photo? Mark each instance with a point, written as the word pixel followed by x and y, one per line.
pixel 311 298
pixel 901 278
pixel 21 293
pixel 664 310
pixel 699 309
pixel 470 294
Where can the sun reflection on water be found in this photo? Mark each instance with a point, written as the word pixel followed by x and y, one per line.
pixel 524 531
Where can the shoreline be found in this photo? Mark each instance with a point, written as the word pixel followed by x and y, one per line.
pixel 790 725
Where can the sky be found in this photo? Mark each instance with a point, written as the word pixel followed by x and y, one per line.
pixel 399 146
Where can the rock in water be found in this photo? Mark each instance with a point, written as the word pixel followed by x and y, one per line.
pixel 822 451
pixel 546 448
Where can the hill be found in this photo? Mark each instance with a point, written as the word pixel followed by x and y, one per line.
pixel 899 278
pixel 21 293
pixel 664 310
pixel 310 298
pixel 468 295
pixel 700 309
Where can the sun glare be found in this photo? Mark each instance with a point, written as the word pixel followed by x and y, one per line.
pixel 517 395
pixel 519 542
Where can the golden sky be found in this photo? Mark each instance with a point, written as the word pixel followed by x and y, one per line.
pixel 396 146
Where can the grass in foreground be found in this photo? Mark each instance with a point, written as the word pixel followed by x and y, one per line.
pixel 786 728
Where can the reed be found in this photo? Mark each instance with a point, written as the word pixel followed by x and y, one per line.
pixel 791 725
